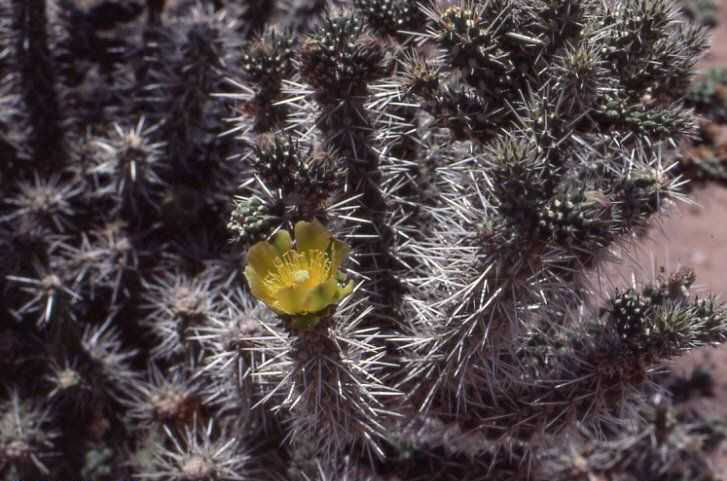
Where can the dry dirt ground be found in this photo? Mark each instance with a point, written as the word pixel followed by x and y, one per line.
pixel 695 236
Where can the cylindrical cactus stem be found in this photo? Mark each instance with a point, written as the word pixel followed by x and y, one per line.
pixel 37 81
pixel 332 392
pixel 339 61
pixel 323 368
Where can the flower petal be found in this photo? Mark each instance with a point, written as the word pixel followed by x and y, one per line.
pixel 321 296
pixel 311 235
pixel 343 291
pixel 290 300
pixel 338 253
pixel 262 257
pixel 281 241
pixel 257 287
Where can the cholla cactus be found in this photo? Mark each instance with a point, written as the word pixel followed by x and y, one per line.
pixel 338 240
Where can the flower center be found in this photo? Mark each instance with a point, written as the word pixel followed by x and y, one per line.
pixel 299 269
pixel 301 276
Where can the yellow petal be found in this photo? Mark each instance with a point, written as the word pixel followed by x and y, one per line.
pixel 291 300
pixel 339 252
pixel 257 287
pixel 342 292
pixel 262 257
pixel 281 241
pixel 321 296
pixel 311 235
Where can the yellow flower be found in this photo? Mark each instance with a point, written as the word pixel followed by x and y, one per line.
pixel 298 281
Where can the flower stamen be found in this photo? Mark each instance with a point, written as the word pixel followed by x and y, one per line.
pixel 303 269
pixel 301 276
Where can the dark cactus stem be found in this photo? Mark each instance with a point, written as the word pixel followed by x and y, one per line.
pixel 378 262
pixel 38 84
pixel 266 63
pixel 146 61
pixel 9 154
pixel 256 17
pixel 565 20
pixel 301 15
pixel 377 237
pixel 155 8
pixel 196 74
pixel 341 85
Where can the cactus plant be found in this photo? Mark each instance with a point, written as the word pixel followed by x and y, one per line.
pixel 453 172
